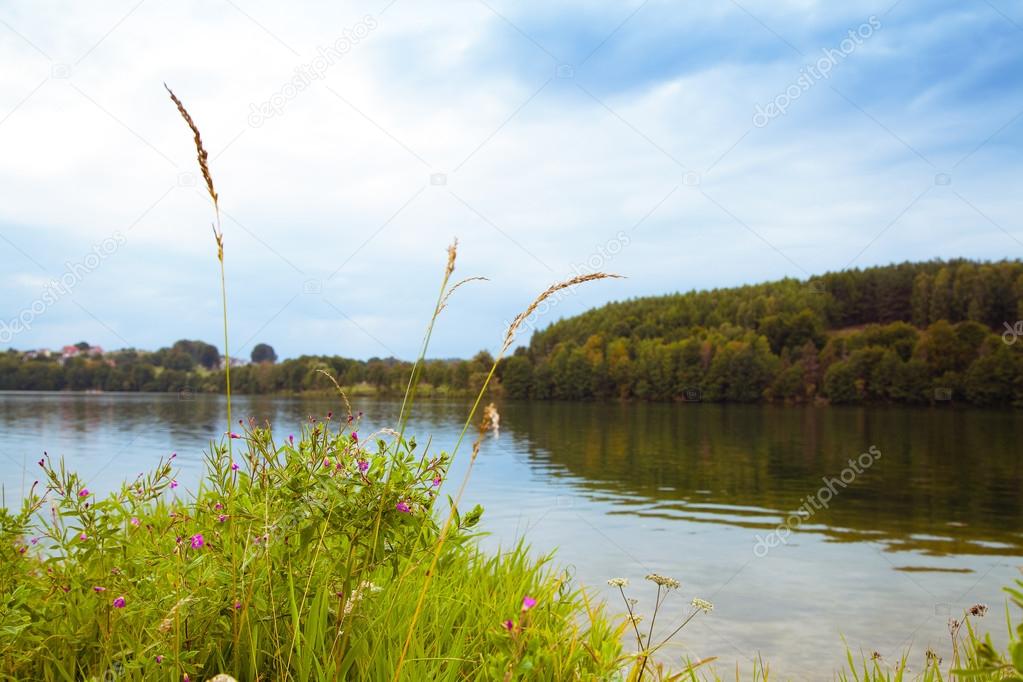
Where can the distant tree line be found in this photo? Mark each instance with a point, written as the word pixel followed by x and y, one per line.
pixel 906 333
pixel 196 366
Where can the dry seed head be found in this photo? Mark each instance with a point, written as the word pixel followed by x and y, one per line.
pixel 444 301
pixel 509 336
pixel 452 254
pixel 201 151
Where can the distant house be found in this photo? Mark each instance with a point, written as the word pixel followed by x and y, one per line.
pixel 235 362
pixel 69 352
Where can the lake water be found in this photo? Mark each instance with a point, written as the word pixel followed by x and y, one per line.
pixel 928 521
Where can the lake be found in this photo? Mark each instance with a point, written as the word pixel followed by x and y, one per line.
pixel 926 520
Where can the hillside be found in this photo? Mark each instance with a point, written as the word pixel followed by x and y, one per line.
pixel 908 333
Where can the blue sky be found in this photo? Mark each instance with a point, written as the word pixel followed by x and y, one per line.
pixel 550 138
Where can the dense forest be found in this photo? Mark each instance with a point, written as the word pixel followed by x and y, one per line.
pixel 907 333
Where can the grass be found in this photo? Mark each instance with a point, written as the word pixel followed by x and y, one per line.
pixel 326 557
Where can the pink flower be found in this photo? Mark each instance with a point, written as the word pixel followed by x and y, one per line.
pixel 97 588
pixel 436 481
pixel 528 603
pixel 174 484
pixel 363 466
pixel 197 541
pixel 35 540
pixel 218 506
pixel 234 466
pixel 186 678
pixel 84 492
pixel 509 625
pixel 222 518
pixel 355 437
pixel 83 536
pixel 173 455
pixel 234 435
pixel 159 658
pixel 403 507
pixel 237 605
pixel 291 439
pixel 134 521
pixel 326 461
pixel 119 603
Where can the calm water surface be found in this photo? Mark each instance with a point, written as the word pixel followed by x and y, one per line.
pixel 930 527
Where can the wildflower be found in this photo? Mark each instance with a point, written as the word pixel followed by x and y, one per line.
pixel 84 492
pixel 403 507
pixel 97 588
pixel 135 521
pixel 159 658
pixel 702 604
pixel 42 462
pixel 618 582
pixel 222 518
pixel 237 605
pixel 363 465
pixel 234 435
pixel 119 603
pixel 83 536
pixel 528 603
pixel 355 437
pixel 663 581
pixel 218 506
pixel 509 625
pixel 197 541
pixel 234 466
pixel 22 549
pixel 186 678
pixel 291 438
pixel 978 610
pixel 34 540
pixel 326 462
pixel 436 481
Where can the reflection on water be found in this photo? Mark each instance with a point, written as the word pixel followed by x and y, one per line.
pixel 932 526
pixel 947 482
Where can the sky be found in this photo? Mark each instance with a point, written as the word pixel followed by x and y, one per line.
pixel 684 145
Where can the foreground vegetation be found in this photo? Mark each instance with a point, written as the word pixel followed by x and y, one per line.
pixel 330 556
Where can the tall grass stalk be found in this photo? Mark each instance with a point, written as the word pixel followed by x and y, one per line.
pixel 509 338
pixel 218 236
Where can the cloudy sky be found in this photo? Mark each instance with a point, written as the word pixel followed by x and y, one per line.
pixel 684 145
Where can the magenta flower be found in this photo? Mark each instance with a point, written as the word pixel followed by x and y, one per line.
pixel 84 492
pixel 173 455
pixel 35 540
pixel 119 603
pixel 326 461
pixel 97 588
pixel 403 507
pixel 197 541
pixel 528 603
pixel 436 481
pixel 159 658
pixel 363 465
pixel 234 435
pixel 83 536
pixel 291 438
pixel 355 437
pixel 218 506
pixel 509 625
pixel 234 466
pixel 134 521
pixel 222 518
pixel 237 605
pixel 174 484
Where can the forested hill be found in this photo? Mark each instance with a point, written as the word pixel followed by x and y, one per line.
pixel 912 332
